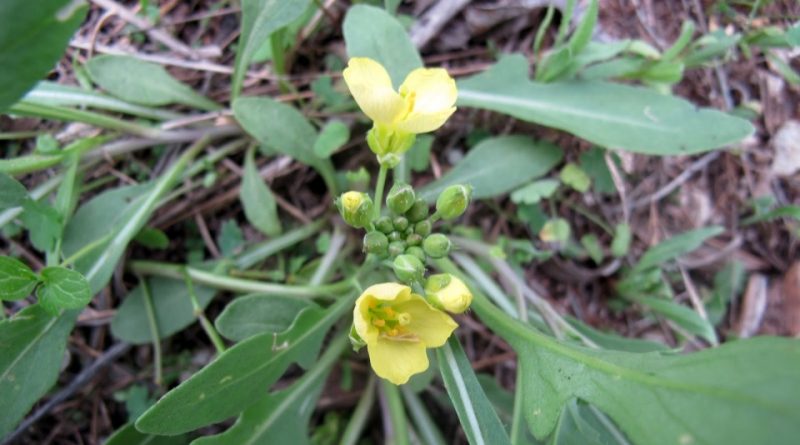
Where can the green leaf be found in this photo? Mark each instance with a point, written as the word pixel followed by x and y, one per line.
pixel 254 314
pixel 32 39
pixel 284 129
pixel 661 398
pixel 610 340
pixel 728 283
pixel 43 223
pixel 787 211
pixel 17 280
pixel 282 416
pixel 681 315
pixel 230 238
pixel 593 247
pixel 260 18
pixel 152 238
pixel 333 135
pixel 535 191
pixel 143 83
pixel 575 177
pixel 259 203
pixel 498 165
pixel 621 243
pixel 127 435
pixel 371 32
pixel 556 230
pixel 33 349
pixel 612 115
pixel 594 164
pixel 225 387
pixel 63 288
pixel 171 304
pixel 581 423
pixel 583 33
pixel 419 156
pixel 676 246
pixel 478 418
pixel 12 193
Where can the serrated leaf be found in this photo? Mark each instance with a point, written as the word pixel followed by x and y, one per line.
pixel 63 288
pixel 171 304
pixel 33 348
pixel 498 165
pixel 32 39
pixel 260 18
pixel 259 203
pixel 332 136
pixel 254 314
pixel 738 393
pixel 283 416
pixel 225 387
pixel 17 280
pixel 535 191
pixel 676 246
pixel 12 193
pixel 143 83
pixel 612 115
pixel 372 32
pixel 478 419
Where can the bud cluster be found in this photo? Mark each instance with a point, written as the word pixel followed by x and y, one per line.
pixel 405 236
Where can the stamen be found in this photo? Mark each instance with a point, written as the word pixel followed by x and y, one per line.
pixel 404 318
pixel 379 322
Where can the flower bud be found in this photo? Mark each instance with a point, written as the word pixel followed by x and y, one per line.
pixel 355 208
pixel 416 251
pixel 400 223
pixel 436 245
pixel 448 292
pixel 376 243
pixel 453 201
pixel 396 248
pixel 389 144
pixel 423 228
pixel 418 211
pixel 395 236
pixel 414 239
pixel 408 268
pixel 400 198
pixel 384 224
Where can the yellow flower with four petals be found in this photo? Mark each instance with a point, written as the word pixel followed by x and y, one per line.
pixel 398 326
pixel 425 100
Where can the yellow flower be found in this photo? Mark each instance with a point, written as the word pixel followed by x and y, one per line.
pixel 397 326
pixel 448 293
pixel 425 100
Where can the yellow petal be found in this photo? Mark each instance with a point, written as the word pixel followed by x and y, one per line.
pixel 431 325
pixel 388 292
pixel 371 87
pixel 433 89
pixel 424 122
pixel 397 361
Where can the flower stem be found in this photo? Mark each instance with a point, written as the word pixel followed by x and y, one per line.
pixel 198 312
pixel 360 415
pixel 153 324
pixel 379 190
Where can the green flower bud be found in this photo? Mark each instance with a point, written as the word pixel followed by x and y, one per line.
pixel 389 144
pixel 384 224
pixel 418 211
pixel 436 245
pixel 376 243
pixel 453 201
pixel 400 223
pixel 396 248
pixel 395 236
pixel 408 268
pixel 416 251
pixel 408 231
pixel 423 228
pixel 400 198
pixel 355 208
pixel 414 239
pixel 448 292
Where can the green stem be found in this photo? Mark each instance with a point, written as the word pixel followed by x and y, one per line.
pixel 429 433
pixel 325 265
pixel 397 413
pixel 237 284
pixel 88 117
pixel 266 249
pixel 360 415
pixel 379 189
pixel 198 312
pixel 518 423
pixel 151 320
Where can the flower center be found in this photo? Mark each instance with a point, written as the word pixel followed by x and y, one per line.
pixel 390 323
